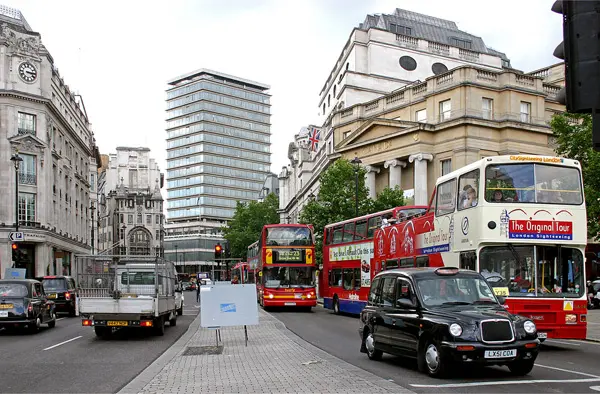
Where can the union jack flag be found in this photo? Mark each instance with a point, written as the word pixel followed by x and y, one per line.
pixel 315 137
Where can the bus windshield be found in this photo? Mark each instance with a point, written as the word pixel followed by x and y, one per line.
pixel 511 270
pixel 533 183
pixel 289 236
pixel 276 277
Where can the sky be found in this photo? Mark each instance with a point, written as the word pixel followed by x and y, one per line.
pixel 119 55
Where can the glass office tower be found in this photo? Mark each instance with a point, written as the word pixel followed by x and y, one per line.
pixel 218 144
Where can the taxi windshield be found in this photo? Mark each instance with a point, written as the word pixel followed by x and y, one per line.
pixel 455 290
pixel 533 270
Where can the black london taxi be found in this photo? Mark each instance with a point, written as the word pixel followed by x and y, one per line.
pixel 23 303
pixel 61 290
pixel 444 317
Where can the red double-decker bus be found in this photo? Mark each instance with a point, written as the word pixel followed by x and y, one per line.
pixel 244 273
pixel 521 222
pixel 284 258
pixel 347 253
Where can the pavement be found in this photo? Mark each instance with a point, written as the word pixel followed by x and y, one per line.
pixel 275 360
pixel 593 329
pixel 69 358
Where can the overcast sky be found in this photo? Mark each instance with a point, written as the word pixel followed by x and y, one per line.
pixel 120 54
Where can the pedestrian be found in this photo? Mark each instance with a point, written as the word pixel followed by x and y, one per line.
pixel 198 292
pixel 235 280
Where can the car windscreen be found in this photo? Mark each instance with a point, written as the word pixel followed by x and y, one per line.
pixel 455 290
pixel 55 284
pixel 13 290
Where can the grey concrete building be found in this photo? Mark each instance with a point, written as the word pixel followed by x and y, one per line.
pixel 130 211
pixel 46 123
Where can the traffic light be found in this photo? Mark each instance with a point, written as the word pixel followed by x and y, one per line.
pixel 580 51
pixel 218 250
pixel 15 252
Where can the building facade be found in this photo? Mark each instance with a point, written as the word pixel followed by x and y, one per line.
pixel 46 123
pixel 414 135
pixel 130 210
pixel 218 144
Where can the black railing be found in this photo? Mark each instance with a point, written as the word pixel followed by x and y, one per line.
pixel 27 179
pixel 22 131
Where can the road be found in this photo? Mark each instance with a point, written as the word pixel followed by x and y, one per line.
pixel 564 366
pixel 70 359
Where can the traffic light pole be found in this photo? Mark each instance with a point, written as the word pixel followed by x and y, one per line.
pixel 16 199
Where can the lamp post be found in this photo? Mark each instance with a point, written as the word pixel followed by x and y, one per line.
pixel 16 159
pixel 356 161
pixel 288 218
pixel 92 209
pixel 175 257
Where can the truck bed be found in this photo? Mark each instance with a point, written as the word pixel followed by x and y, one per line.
pixel 141 305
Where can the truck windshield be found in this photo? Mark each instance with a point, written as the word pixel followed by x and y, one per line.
pixel 137 278
pixel 288 277
pixel 533 183
pixel 289 236
pixel 510 270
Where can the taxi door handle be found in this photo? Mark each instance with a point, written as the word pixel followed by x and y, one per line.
pixel 393 321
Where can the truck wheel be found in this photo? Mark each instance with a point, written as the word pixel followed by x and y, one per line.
pixel 180 311
pixel 173 321
pixel 102 332
pixel 159 326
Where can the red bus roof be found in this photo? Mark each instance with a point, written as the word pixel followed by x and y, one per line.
pixel 406 207
pixel 287 225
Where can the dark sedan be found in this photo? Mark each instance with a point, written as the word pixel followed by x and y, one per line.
pixel 444 317
pixel 61 290
pixel 24 304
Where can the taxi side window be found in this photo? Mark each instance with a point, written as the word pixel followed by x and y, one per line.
pixel 403 291
pixel 375 293
pixel 388 291
pixel 34 291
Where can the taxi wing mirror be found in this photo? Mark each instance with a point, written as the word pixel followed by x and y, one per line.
pixel 406 303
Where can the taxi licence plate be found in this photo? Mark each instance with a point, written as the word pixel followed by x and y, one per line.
pixel 6 306
pixel 3 313
pixel 51 295
pixel 501 353
pixel 117 323
pixel 542 335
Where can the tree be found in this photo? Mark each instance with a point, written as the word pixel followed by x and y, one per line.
pixel 573 133
pixel 336 199
pixel 248 220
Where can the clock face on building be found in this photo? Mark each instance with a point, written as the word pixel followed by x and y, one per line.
pixel 27 72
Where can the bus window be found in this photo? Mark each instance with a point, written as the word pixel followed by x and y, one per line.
pixel 423 261
pixel 468 260
pixel 408 262
pixel 374 223
pixel 390 264
pixel 361 229
pixel 348 232
pixel 351 278
pixel 335 277
pixel 337 234
pixel 468 185
pixel 446 197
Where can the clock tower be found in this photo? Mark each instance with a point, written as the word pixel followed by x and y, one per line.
pixel 21 54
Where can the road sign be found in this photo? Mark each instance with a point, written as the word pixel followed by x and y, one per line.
pixel 16 236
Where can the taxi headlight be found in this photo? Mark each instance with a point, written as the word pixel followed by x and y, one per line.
pixel 455 329
pixel 529 327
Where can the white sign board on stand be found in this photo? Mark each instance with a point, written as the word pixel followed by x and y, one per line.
pixel 228 305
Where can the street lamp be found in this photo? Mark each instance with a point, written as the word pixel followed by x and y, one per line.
pixel 288 218
pixel 16 159
pixel 356 161
pixel 92 209
pixel 176 257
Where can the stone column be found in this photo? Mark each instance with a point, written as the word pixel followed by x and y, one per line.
pixel 395 167
pixel 420 170
pixel 372 171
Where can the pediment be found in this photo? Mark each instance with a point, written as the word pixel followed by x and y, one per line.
pixel 27 143
pixel 377 129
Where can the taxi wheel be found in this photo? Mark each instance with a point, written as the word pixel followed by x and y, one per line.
pixel 432 359
pixel 372 353
pixel 35 327
pixel 52 322
pixel 521 367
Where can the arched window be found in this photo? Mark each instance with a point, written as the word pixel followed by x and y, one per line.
pixel 139 242
pixel 334 90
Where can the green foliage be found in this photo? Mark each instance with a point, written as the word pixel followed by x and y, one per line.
pixel 247 223
pixel 573 133
pixel 337 198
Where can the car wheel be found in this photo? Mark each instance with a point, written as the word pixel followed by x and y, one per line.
pixel 372 353
pixel 52 322
pixel 432 359
pixel 521 367
pixel 35 327
pixel 336 305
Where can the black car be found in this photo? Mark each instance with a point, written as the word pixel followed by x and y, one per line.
pixel 24 304
pixel 444 317
pixel 62 290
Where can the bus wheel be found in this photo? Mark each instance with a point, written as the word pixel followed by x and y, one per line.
pixel 336 305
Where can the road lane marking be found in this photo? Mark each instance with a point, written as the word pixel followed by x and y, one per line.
pixel 587 342
pixel 568 370
pixel 60 318
pixel 503 382
pixel 595 388
pixel 62 343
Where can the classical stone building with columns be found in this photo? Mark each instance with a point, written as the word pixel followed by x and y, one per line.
pixel 415 134
pixel 46 123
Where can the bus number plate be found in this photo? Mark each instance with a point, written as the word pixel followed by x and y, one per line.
pixel 290 304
